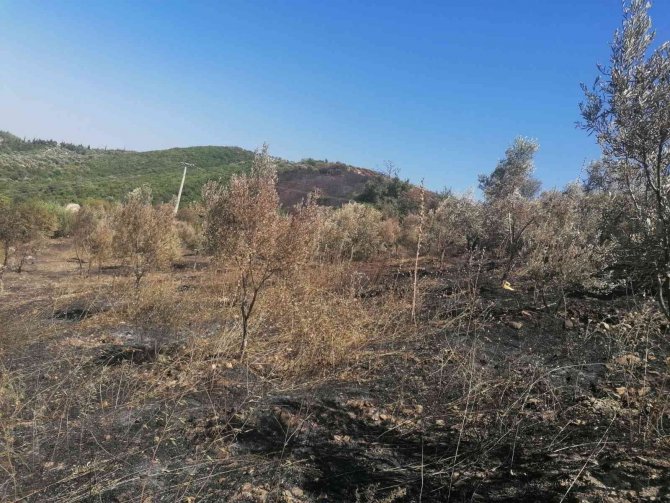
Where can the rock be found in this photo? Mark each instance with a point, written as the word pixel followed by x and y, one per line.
pixel 516 325
pixel 621 391
pixel 592 481
pixel 568 324
pixel 297 492
pixel 629 359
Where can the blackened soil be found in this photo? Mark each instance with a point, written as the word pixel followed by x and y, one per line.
pixel 495 398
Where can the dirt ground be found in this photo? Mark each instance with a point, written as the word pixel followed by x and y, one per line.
pixel 490 396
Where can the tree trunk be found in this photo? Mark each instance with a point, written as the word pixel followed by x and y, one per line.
pixel 245 331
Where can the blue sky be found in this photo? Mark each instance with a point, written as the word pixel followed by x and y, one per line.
pixel 439 87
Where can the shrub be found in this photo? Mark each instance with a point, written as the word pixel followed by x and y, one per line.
pixel 189 227
pixel 244 226
pixel 456 224
pixel 563 248
pixel 354 232
pixel 23 229
pixel 144 235
pixel 92 236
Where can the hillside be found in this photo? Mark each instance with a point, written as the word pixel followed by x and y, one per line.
pixel 64 173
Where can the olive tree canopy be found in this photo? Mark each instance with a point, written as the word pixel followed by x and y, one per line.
pixel 514 174
pixel 628 109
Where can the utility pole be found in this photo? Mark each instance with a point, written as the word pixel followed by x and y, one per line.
pixel 181 187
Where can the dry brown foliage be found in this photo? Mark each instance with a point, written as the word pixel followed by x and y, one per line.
pixel 245 228
pixel 144 236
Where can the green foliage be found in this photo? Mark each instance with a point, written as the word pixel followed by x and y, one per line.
pixel 65 173
pixel 389 194
pixel 628 110
pixel 513 174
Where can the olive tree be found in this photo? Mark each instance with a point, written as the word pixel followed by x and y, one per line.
pixel 564 247
pixel 508 191
pixel 354 231
pixel 23 229
pixel 92 236
pixel 628 109
pixel 456 223
pixel 144 236
pixel 244 226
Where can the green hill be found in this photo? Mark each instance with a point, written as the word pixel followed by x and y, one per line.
pixel 63 173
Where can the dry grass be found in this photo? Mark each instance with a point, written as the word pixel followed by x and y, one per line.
pixel 85 416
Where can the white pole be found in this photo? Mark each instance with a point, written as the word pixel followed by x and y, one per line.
pixel 181 188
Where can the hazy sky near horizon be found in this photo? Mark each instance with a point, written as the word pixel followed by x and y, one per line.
pixel 439 87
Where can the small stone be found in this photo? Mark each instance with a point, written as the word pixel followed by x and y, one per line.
pixel 297 492
pixel 568 324
pixel 516 325
pixel 628 359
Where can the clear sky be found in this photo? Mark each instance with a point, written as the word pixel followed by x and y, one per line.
pixel 439 87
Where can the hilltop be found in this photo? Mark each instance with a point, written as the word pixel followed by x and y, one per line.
pixel 64 172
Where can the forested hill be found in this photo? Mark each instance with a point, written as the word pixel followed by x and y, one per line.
pixel 64 173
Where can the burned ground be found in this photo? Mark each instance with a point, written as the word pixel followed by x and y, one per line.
pixel 490 396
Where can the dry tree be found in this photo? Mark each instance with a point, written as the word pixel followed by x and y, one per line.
pixel 144 236
pixel 245 227
pixel 92 236
pixel 355 231
pixel 422 218
pixel 23 229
